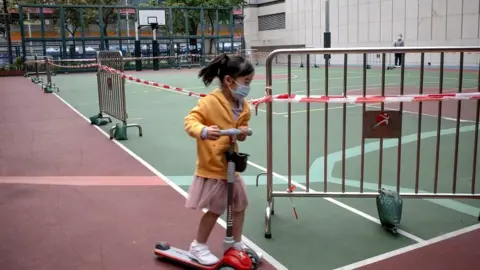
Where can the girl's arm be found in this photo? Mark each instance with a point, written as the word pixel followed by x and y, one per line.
pixel 194 121
pixel 244 125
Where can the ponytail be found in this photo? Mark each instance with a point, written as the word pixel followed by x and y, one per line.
pixel 212 70
pixel 224 65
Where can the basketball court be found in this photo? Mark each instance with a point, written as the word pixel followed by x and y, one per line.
pixel 73 199
pixel 329 232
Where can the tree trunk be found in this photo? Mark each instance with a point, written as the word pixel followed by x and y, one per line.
pixel 105 34
pixel 193 32
pixel 212 31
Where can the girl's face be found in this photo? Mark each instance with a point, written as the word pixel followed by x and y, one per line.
pixel 245 80
pixel 240 87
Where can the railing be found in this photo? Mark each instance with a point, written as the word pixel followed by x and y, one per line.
pixel 369 120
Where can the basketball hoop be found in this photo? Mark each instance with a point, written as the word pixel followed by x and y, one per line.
pixel 238 19
pixel 152 21
pixel 152 18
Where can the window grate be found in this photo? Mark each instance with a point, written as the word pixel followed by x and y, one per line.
pixel 271 22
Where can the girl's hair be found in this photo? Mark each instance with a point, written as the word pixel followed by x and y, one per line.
pixel 223 65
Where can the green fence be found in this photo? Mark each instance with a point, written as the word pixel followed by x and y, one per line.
pixel 189 37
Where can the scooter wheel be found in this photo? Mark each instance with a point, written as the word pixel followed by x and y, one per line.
pixel 253 257
pixel 162 246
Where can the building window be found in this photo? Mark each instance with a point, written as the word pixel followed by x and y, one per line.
pixel 271 22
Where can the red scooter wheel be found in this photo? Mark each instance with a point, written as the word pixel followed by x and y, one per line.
pixel 237 260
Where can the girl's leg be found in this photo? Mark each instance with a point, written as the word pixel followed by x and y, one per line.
pixel 238 218
pixel 202 194
pixel 207 222
pixel 199 249
pixel 240 205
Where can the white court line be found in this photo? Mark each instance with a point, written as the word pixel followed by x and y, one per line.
pixel 340 204
pixel 294 80
pixel 434 79
pixel 424 114
pixel 182 192
pixel 374 86
pixel 285 114
pixel 406 249
pixel 177 92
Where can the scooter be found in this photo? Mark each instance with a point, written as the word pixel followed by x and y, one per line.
pixel 232 259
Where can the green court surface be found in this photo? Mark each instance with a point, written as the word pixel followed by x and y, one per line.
pixel 330 233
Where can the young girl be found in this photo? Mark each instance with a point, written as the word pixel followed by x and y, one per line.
pixel 223 108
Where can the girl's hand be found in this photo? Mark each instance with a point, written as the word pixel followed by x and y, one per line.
pixel 213 133
pixel 242 137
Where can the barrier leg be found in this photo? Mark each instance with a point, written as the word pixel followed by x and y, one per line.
pixel 268 219
pixel 50 86
pixel 100 120
pixel 269 212
pixel 35 79
pixel 119 131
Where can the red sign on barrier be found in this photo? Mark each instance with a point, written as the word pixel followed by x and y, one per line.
pixel 381 124
pixel 109 84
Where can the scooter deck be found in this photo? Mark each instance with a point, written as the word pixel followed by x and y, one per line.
pixel 181 256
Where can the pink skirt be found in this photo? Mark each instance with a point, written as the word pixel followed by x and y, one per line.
pixel 211 194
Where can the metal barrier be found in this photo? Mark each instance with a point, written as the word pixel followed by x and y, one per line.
pixel 111 89
pixel 49 85
pixel 366 119
pixel 34 66
pixel 189 60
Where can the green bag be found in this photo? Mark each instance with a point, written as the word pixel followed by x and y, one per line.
pixel 389 207
pixel 120 132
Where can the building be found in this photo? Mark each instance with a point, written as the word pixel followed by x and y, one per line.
pixel 271 24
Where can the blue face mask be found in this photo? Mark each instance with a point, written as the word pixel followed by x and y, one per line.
pixel 241 91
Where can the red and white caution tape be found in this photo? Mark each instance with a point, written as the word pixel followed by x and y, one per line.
pixel 153 84
pixel 74 66
pixel 42 61
pixel 162 57
pixel 76 60
pixel 356 99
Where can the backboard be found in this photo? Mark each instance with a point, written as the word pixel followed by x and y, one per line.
pixel 149 17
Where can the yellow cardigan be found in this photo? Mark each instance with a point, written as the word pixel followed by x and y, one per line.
pixel 213 109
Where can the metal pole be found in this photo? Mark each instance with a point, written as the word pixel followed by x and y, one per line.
pixel 128 26
pixel 7 32
pixel 327 41
pixel 138 49
pixel 30 31
pixel 155 48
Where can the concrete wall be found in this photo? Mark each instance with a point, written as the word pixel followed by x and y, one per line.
pixel 366 23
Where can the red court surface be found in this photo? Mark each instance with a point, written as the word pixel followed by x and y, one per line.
pixel 72 199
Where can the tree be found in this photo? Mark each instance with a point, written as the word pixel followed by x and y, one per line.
pixel 223 16
pixel 14 19
pixel 3 25
pixel 193 16
pixel 72 16
pixel 93 16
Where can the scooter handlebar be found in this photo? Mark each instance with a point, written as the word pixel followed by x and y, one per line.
pixel 234 132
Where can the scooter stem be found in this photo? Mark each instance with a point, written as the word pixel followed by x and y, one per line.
pixel 228 242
